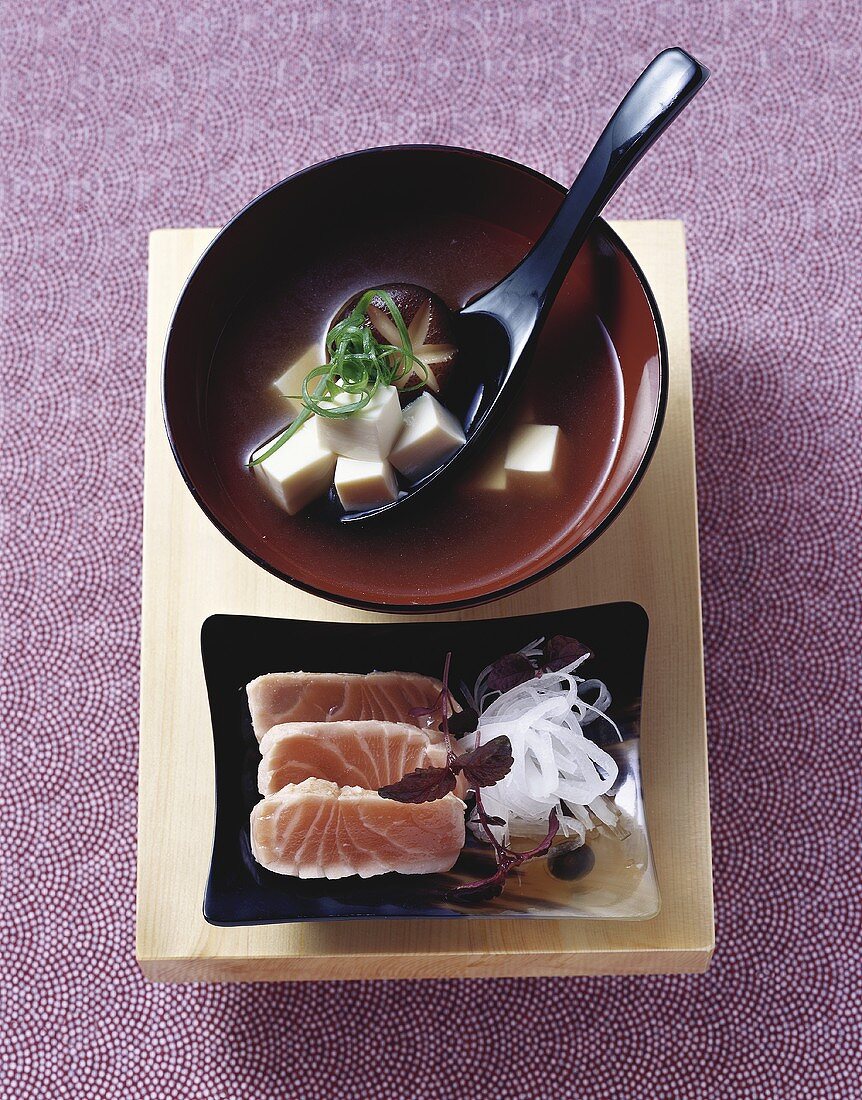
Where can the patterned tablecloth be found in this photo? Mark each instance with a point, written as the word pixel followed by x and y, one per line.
pixel 118 117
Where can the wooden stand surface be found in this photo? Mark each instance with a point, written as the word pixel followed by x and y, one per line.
pixel 190 571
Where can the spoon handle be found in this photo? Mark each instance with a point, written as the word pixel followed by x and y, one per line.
pixel 659 94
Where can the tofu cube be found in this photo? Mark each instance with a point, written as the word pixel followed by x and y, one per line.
pixel 364 484
pixel 532 459
pixel 367 435
pixel 300 470
pixel 289 384
pixel 430 435
pixel 489 473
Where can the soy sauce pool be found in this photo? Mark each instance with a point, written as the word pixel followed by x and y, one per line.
pixel 468 537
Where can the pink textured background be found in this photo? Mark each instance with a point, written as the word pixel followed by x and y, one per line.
pixel 118 117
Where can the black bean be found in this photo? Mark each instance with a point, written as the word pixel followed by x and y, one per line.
pixel 572 863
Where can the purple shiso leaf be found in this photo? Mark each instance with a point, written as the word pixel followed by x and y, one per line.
pixel 508 672
pixel 421 785
pixel 487 764
pixel 425 712
pixel 560 651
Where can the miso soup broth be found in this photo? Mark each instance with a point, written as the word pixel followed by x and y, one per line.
pixel 473 531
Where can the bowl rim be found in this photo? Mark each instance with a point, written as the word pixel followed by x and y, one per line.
pixel 509 589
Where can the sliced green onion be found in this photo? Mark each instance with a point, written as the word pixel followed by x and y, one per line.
pixel 358 366
pixel 291 430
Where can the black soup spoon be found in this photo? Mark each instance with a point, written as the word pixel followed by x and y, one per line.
pixel 498 331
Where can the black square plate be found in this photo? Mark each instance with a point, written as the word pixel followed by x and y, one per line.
pixel 615 879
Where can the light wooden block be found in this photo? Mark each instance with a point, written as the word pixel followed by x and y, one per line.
pixel 648 555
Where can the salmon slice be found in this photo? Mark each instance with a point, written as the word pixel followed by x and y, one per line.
pixel 350 754
pixel 316 829
pixel 280 697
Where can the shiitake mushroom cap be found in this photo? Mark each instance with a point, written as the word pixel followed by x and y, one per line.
pixel 431 324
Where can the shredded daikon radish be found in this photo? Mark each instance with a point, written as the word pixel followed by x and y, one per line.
pixel 556 767
pixel 603 699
